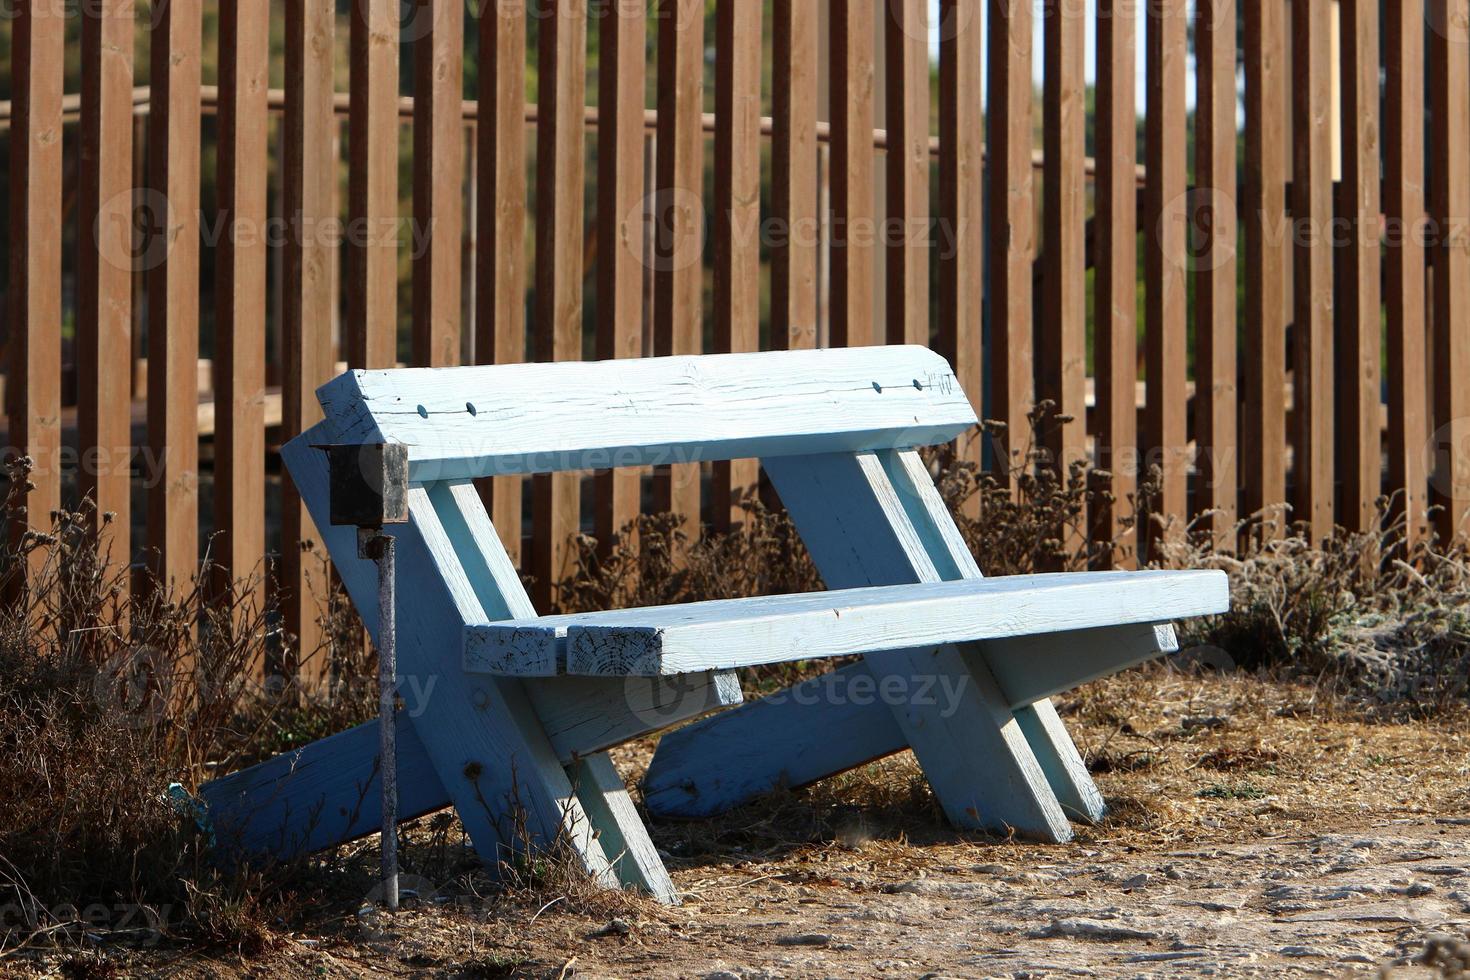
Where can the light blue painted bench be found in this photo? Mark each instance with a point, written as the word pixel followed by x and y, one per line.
pixel 509 715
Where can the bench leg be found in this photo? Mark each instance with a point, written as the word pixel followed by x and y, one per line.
pixel 1066 773
pixel 320 795
pixel 860 529
pixel 620 830
pixel 832 723
pixel 329 792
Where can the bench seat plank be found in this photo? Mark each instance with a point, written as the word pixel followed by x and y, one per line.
pixel 472 422
pixel 733 633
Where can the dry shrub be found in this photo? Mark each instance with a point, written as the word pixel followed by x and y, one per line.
pixel 1379 621
pixel 652 563
pixel 108 696
pixel 1031 517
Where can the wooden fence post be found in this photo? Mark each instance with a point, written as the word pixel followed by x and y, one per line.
pixel 1062 361
pixel 556 507
pixel 1449 106
pixel 308 174
pixel 736 219
pixel 1012 231
pixel 906 44
pixel 853 257
pixel 1116 304
pixel 171 211
pixel 1212 227
pixel 679 226
pixel 1404 273
pixel 961 230
pixel 1312 213
pixel 794 176
pixel 105 269
pixel 372 186
pixel 500 293
pixel 239 385
pixel 1267 241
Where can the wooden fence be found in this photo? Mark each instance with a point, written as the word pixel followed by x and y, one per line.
pixel 1302 319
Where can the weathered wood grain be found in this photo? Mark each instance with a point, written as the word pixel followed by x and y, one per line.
pixel 621 265
pixel 906 48
pixel 961 229
pixel 837 722
pixel 483 739
pixel 737 222
pixel 1012 224
pixel 794 175
pixel 610 809
pixel 560 169
pixel 104 272
pixel 438 179
pixel 1267 261
pixel 1213 226
pixel 854 268
pixel 171 209
pixel 733 633
pixel 372 186
pixel 1404 290
pixel 477 421
pixel 327 793
pixel 1165 435
pixel 679 226
pixel 239 361
pixel 1312 283
pixel 500 271
pixel 1449 101
pixel 854 523
pixel 1062 357
pixel 1116 304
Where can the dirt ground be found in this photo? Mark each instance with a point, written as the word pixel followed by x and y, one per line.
pixel 1255 830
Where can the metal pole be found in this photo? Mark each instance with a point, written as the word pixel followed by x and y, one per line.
pixel 387 695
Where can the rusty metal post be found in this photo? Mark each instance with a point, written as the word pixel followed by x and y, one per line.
pixel 373 543
pixel 369 489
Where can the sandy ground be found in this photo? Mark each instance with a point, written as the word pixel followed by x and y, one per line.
pixel 1254 832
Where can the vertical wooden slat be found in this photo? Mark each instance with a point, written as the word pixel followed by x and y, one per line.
pixel 104 267
pixel 556 507
pixel 239 453
pixel 1213 226
pixel 852 267
pixel 794 175
pixel 33 382
pixel 737 215
pixel 306 311
pixel 1267 239
pixel 1449 107
pixel 1312 358
pixel 372 186
pixel 906 44
pixel 622 78
pixel 1404 292
pixel 1165 252
pixel 172 211
pixel 500 293
pixel 1360 324
pixel 1116 281
pixel 961 234
pixel 1011 223
pixel 1063 358
pixel 438 173
pixel 679 228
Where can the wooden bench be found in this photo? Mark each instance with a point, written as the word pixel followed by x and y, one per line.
pixel 508 715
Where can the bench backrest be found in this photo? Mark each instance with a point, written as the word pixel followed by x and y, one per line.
pixel 471 422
